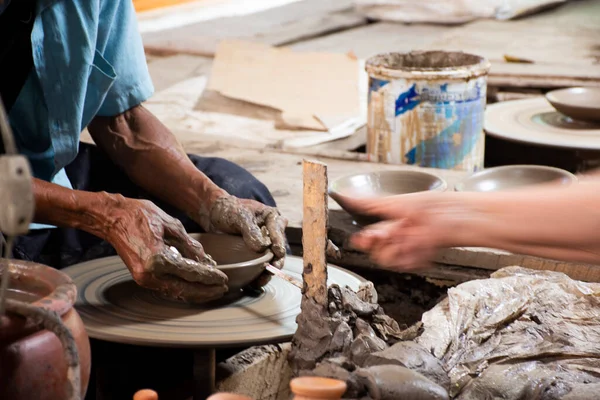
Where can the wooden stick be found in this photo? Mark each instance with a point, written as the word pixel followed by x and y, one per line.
pixel 314 231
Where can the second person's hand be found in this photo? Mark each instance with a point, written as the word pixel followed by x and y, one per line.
pixel 413 228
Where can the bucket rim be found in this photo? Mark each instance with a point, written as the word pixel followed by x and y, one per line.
pixel 375 69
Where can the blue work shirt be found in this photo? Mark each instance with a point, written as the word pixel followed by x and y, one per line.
pixel 88 61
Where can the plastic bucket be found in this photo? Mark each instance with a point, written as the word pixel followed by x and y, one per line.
pixel 426 109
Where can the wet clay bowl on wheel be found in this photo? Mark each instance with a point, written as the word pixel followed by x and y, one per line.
pixel 381 184
pixel 234 258
pixel 579 103
pixel 514 177
pixel 32 359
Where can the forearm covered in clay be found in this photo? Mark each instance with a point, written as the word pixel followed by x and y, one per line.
pixel 553 221
pixel 153 158
pixel 59 206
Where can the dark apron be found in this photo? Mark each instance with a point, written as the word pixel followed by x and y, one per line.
pixel 16 59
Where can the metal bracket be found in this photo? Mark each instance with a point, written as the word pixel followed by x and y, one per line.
pixel 16 196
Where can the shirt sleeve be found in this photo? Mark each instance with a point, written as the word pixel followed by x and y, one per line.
pixel 120 44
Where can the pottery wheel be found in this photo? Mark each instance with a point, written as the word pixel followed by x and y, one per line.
pixel 114 308
pixel 536 121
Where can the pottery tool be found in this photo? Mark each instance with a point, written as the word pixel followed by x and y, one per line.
pixel 282 275
pixel 535 121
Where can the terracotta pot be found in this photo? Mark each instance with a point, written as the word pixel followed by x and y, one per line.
pixel 32 361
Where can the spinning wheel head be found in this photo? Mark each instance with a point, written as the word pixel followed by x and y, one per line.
pixel 114 308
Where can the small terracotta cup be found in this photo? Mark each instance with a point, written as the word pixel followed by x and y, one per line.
pixel 145 394
pixel 313 388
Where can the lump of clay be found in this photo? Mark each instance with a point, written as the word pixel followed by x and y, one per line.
pixel 583 391
pixel 351 302
pixel 361 327
pixel 393 382
pixel 366 292
pixel 314 335
pixel 389 330
pixel 363 346
pixel 341 339
pixel 412 356
pixel 562 378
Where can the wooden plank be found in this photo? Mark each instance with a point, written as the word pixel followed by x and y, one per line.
pixel 564 36
pixel 314 233
pixel 278 26
pixel 562 42
pixel 543 76
pixel 358 263
pixel 368 40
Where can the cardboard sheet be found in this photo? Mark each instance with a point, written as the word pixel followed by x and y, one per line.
pixel 315 91
pixel 253 128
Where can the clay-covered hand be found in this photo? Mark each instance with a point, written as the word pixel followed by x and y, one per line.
pixel 160 255
pixel 411 230
pixel 261 226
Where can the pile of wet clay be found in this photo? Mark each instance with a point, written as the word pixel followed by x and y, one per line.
pixel 355 341
pixel 522 334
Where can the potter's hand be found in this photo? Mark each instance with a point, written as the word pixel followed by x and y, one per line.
pixel 412 229
pixel 262 227
pixel 160 255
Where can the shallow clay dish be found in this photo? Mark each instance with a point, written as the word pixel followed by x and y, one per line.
pixel 234 258
pixel 513 177
pixel 579 103
pixel 381 184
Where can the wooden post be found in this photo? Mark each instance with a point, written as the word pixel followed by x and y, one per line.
pixel 314 231
pixel 205 361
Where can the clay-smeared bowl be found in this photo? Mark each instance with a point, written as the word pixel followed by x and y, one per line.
pixel 234 258
pixel 578 103
pixel 513 177
pixel 381 184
